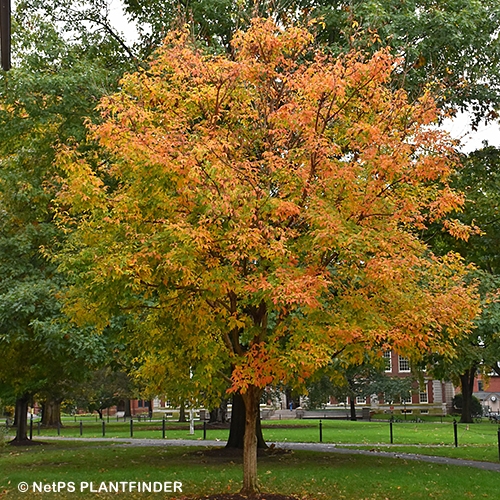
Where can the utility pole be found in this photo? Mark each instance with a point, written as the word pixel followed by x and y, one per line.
pixel 5 32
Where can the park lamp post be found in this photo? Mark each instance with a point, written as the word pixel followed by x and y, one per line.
pixel 5 32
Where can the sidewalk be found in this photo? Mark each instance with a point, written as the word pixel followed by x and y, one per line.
pixel 324 448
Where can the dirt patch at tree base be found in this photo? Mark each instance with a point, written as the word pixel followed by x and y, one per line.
pixel 231 453
pixel 24 442
pixel 238 496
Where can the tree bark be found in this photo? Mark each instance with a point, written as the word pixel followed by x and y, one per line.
pixel 182 413
pixel 467 383
pixel 238 424
pixel 251 399
pixel 21 419
pixel 218 415
pixel 352 404
pixel 128 409
pixel 51 413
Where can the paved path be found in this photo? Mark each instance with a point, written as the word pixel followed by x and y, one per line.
pixel 325 448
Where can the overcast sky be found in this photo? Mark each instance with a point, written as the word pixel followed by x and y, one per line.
pixel 460 128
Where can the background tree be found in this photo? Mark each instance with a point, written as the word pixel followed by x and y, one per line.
pixel 102 390
pixel 451 43
pixel 44 102
pixel 479 351
pixel 264 213
pixel 476 408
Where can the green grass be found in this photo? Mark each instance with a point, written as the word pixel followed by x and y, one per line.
pixel 306 474
pixel 333 431
pixel 476 441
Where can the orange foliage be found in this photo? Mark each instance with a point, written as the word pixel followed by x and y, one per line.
pixel 267 207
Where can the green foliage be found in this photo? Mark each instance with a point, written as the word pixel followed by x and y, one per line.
pixel 319 392
pixel 479 179
pixel 102 389
pixel 393 389
pixel 457 402
pixel 479 351
pixel 44 102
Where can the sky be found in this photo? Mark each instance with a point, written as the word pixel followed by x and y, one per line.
pixel 120 20
pixel 460 128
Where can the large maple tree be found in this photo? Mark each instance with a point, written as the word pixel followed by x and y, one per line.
pixel 259 215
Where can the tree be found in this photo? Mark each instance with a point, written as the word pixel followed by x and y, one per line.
pixel 262 214
pixel 105 388
pixel 476 408
pixel 479 351
pixel 44 101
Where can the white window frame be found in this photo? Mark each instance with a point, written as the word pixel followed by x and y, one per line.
pixel 388 361
pixel 404 365
pixel 423 395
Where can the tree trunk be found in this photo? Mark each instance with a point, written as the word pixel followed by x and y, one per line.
pixel 51 413
pixel 128 409
pixel 467 383
pixel 237 428
pixel 251 399
pixel 352 404
pixel 218 415
pixel 21 419
pixel 182 413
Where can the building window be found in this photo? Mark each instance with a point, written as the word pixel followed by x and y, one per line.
pixel 480 386
pixel 388 361
pixel 423 395
pixel 404 365
pixel 361 400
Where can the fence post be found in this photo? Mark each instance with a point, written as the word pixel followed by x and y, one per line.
pixel 103 428
pixel 58 428
pixel 81 427
pixel 163 428
pixel 131 427
pixel 39 425
pixel 390 427
pixel 320 431
pixel 204 429
pixel 31 426
pixel 498 442
pixel 455 432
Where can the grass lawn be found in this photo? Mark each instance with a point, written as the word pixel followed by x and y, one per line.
pixel 308 475
pixel 476 441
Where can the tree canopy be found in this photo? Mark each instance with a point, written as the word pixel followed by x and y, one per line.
pixel 44 101
pixel 262 213
pixel 452 42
